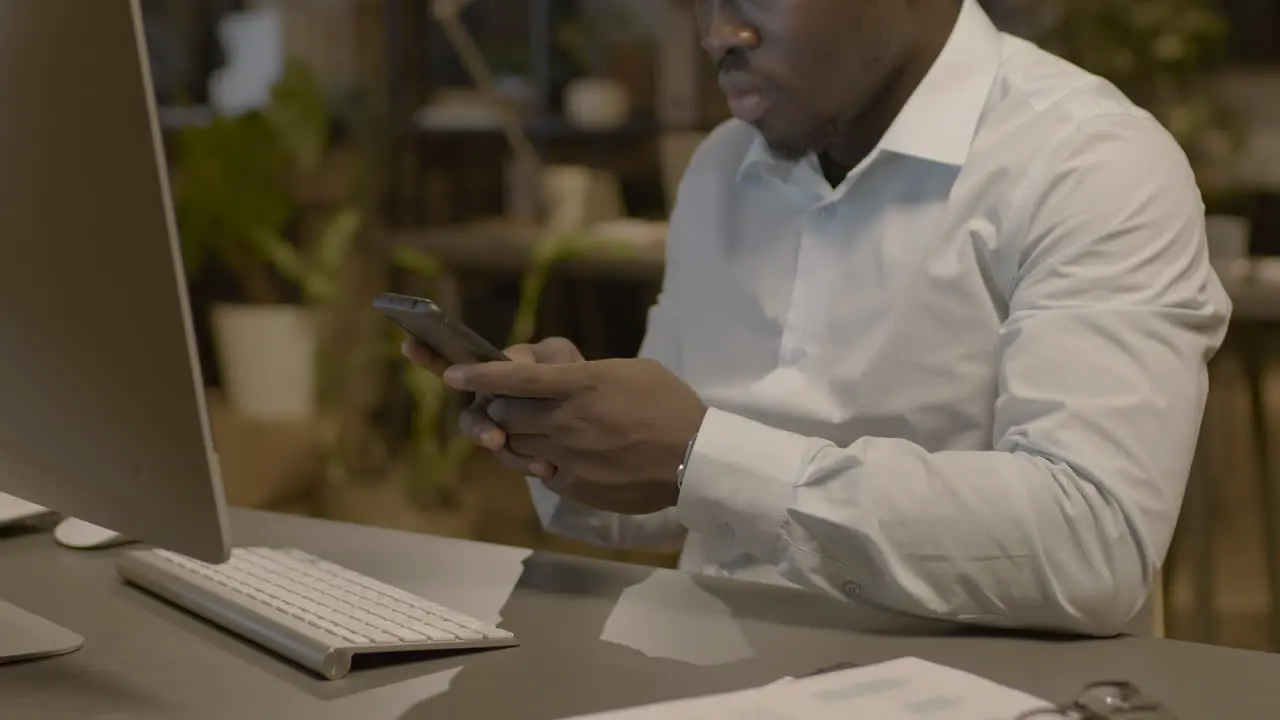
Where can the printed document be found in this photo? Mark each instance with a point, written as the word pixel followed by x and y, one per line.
pixel 905 689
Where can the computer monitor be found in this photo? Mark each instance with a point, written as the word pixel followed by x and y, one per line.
pixel 102 412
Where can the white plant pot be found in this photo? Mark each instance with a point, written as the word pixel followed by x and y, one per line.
pixel 597 103
pixel 267 355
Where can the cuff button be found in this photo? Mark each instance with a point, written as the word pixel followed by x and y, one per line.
pixel 726 532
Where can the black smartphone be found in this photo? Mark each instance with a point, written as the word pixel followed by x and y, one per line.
pixel 450 340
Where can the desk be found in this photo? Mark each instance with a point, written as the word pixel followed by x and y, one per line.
pixel 596 635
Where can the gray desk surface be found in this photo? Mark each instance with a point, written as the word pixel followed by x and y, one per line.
pixel 596 636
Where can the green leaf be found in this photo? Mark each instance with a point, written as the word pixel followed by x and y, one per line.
pixel 299 116
pixel 418 262
pixel 546 253
pixel 229 185
pixel 282 255
pixel 336 239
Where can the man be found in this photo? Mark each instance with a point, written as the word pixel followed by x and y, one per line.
pixel 933 334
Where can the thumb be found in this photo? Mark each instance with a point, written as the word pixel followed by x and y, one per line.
pixel 520 380
pixel 522 353
pixel 418 354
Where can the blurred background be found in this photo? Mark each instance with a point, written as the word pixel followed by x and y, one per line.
pixel 515 160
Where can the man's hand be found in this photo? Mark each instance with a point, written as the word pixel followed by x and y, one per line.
pixel 615 430
pixel 476 422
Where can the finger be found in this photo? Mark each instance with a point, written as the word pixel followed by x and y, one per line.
pixel 556 351
pixel 549 382
pixel 531 446
pixel 522 416
pixel 560 483
pixel 514 461
pixel 522 354
pixel 524 465
pixel 419 354
pixel 477 426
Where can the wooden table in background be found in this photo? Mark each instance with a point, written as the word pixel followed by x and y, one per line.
pixel 501 246
pixel 1254 287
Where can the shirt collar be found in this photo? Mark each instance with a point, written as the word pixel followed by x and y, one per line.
pixel 940 118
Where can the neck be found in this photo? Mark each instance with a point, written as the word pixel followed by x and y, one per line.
pixel 855 139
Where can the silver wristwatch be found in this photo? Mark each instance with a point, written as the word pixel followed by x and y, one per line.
pixel 684 464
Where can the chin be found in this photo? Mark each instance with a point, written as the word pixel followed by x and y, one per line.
pixel 786 145
pixel 786 148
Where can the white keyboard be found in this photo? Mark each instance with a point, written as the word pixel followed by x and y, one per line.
pixel 316 613
pixel 15 510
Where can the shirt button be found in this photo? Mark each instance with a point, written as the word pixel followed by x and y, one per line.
pixel 852 590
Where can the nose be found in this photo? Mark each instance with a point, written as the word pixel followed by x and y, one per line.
pixel 725 30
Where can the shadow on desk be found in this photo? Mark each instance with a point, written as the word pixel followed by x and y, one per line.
pixel 30 527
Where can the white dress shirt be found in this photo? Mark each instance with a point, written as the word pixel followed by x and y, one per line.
pixel 965 384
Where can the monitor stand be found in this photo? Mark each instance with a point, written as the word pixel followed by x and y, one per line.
pixel 24 636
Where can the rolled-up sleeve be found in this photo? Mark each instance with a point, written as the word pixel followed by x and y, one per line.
pixel 1063 523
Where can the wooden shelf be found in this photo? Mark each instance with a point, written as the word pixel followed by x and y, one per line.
pixel 502 246
pixel 556 129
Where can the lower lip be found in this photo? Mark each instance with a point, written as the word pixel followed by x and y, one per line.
pixel 748 106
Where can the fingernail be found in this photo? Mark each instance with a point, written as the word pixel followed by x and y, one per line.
pixel 455 377
pixel 541 468
pixel 492 439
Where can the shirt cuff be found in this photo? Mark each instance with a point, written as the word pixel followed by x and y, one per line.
pixel 545 502
pixel 740 482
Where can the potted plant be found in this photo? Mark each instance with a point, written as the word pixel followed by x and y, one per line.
pixel 594 100
pixel 511 77
pixel 1163 54
pixel 250 195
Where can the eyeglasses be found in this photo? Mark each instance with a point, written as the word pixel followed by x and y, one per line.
pixel 1110 700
